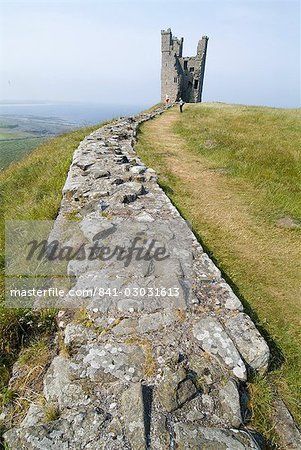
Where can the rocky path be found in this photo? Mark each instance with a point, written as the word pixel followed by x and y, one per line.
pixel 157 347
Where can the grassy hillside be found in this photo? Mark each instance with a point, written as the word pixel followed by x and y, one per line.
pixel 20 135
pixel 235 173
pixel 14 149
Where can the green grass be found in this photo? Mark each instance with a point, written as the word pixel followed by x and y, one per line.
pixel 12 133
pixel 31 190
pixel 5 135
pixel 259 146
pixel 234 171
pixel 16 149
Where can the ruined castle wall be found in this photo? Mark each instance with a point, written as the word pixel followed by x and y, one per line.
pixel 170 77
pixel 182 76
pixel 150 372
pixel 202 54
pixel 190 67
pixel 170 66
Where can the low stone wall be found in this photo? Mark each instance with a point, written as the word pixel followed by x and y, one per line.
pixel 158 371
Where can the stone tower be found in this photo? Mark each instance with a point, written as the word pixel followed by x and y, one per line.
pixel 181 76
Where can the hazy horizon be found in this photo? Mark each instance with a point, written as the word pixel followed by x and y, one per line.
pixel 97 103
pixel 108 52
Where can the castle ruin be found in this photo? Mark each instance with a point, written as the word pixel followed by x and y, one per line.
pixel 181 77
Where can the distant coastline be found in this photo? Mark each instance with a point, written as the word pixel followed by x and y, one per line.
pixel 76 113
pixel 25 104
pixel 24 126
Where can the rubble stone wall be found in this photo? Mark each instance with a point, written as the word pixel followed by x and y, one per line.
pixel 143 373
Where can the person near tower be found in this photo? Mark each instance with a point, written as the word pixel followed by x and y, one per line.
pixel 181 104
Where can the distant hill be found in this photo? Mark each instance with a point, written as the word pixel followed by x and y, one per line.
pixel 20 135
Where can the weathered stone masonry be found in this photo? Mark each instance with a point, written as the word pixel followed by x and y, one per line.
pixel 182 77
pixel 157 374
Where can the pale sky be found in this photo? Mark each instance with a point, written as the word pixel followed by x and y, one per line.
pixel 109 51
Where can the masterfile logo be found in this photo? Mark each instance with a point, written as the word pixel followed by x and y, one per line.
pixel 68 262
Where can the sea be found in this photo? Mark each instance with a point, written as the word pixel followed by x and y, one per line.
pixel 77 114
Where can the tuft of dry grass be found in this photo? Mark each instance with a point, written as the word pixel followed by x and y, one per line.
pixel 150 365
pixel 27 384
pixel 260 405
pixel 63 349
pixel 82 317
pixel 51 412
pixel 37 354
pixel 233 171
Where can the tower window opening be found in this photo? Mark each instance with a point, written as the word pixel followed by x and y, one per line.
pixel 191 69
pixel 175 79
pixel 185 65
pixel 196 82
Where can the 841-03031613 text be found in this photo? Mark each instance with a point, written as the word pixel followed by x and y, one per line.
pixel 101 292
